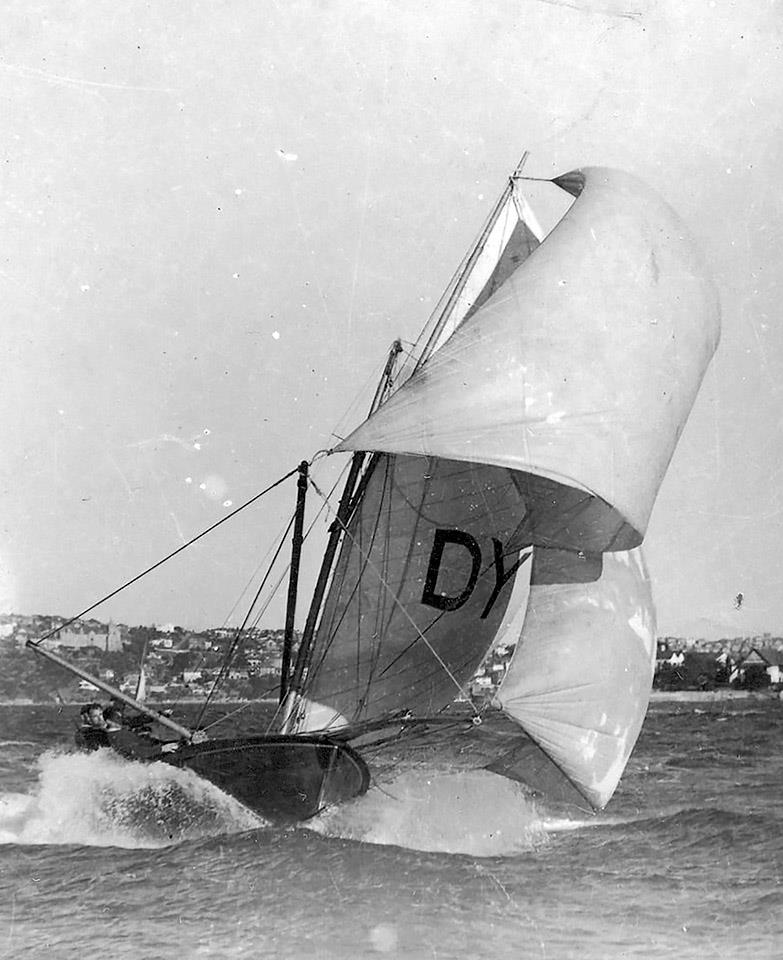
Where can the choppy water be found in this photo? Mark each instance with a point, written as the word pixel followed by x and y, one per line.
pixel 98 855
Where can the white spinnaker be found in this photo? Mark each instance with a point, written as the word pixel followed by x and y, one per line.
pixel 579 681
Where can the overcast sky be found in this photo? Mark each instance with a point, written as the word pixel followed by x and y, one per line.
pixel 217 216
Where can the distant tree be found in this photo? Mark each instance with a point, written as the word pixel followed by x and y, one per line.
pixel 179 662
pixel 754 677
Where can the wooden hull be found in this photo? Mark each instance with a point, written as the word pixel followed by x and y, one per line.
pixel 284 779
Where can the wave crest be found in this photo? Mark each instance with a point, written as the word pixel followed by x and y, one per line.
pixel 100 799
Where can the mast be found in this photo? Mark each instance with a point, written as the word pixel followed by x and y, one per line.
pixel 293 581
pixel 344 510
pixel 112 691
pixel 384 384
pixel 335 530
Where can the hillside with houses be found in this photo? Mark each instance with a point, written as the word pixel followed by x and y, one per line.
pixel 739 663
pixel 746 663
pixel 178 663
pixel 184 664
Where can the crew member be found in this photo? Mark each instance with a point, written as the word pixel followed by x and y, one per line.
pixel 91 733
pixel 130 743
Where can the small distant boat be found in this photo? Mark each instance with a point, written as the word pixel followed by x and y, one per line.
pixel 498 492
pixel 141 684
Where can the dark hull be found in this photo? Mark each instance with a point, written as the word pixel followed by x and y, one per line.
pixel 284 779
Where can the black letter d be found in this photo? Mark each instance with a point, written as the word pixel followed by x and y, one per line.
pixel 442 537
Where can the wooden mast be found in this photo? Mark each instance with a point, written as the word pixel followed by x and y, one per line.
pixel 293 580
pixel 344 510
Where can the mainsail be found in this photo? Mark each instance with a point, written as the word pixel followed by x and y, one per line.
pixel 432 546
pixel 512 480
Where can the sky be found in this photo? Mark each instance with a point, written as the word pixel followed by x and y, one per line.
pixel 216 217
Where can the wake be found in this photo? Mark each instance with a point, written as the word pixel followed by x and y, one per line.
pixel 100 799
pixel 473 812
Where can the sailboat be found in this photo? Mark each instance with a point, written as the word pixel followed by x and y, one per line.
pixel 498 493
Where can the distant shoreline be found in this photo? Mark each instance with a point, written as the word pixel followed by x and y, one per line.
pixel 709 696
pixel 158 705
pixel 657 696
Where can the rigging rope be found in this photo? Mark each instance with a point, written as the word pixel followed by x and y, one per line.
pixel 238 636
pixel 155 566
pixel 233 647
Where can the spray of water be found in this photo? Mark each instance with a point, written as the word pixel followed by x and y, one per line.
pixel 474 812
pixel 100 799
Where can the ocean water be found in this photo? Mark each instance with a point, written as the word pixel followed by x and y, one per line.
pixel 101 856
